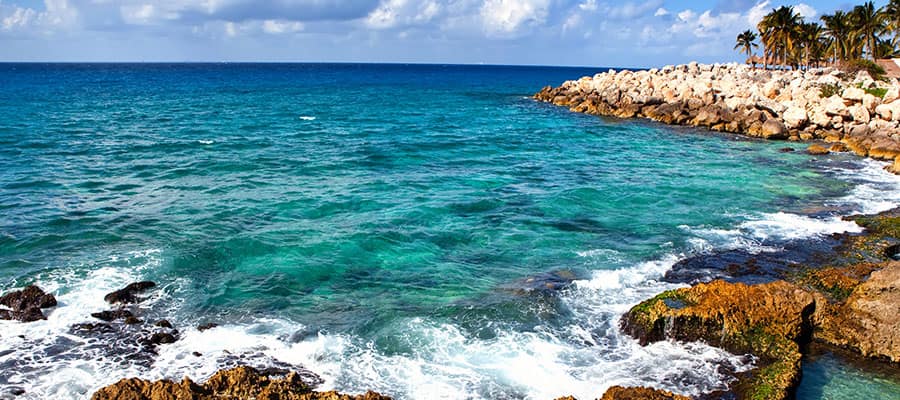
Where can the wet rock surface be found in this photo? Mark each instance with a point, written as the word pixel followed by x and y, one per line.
pixel 129 294
pixel 639 393
pixel 237 383
pixel 25 305
pixel 844 291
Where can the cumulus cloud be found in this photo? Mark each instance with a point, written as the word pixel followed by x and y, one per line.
pixel 509 17
pixel 56 14
pixel 393 13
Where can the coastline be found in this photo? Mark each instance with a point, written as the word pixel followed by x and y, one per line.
pixel 604 292
pixel 840 303
pixel 855 113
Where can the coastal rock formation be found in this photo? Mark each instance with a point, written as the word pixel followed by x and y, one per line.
pixel 640 393
pixel 869 320
pixel 233 384
pixel 25 305
pixel 767 320
pixel 853 302
pixel 129 294
pixel 823 104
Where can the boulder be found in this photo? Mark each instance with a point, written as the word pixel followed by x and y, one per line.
pixel 867 322
pixel 883 111
pixel 853 94
pixel 767 320
pixel 817 150
pixel 859 114
pixel 639 393
pixel 774 129
pixel 235 383
pixel 892 94
pixel 129 294
pixel 795 117
pixel 835 106
pixel 25 305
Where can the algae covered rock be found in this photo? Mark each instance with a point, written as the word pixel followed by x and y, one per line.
pixel 767 320
pixel 233 384
pixel 640 393
pixel 869 320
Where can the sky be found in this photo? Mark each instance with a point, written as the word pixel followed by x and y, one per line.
pixel 630 33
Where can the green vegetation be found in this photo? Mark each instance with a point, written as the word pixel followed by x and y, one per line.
pixel 829 90
pixel 874 70
pixel 852 39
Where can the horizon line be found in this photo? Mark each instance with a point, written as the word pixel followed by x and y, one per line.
pixel 325 62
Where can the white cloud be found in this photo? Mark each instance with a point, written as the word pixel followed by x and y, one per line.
pixel 588 5
pixel 757 12
pixel 277 27
pixel 806 11
pixel 661 12
pixel 57 14
pixel 510 17
pixel 394 13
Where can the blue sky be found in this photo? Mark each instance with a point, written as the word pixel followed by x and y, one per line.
pixel 631 33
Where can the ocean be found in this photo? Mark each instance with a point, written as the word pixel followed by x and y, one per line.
pixel 425 231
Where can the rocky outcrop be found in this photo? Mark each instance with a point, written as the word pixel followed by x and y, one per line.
pixel 767 320
pixel 823 104
pixel 129 294
pixel 25 305
pixel 868 322
pixel 640 393
pixel 852 302
pixel 233 384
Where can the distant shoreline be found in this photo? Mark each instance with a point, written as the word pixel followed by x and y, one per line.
pixel 856 113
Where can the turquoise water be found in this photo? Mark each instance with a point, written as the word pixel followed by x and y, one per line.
pixel 387 227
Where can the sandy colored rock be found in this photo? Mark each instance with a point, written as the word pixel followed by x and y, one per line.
pixel 817 150
pixel 766 320
pixel 640 393
pixel 869 321
pixel 736 98
pixel 234 384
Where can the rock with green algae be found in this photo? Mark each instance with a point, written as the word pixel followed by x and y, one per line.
pixel 232 384
pixel 868 322
pixel 767 320
pixel 635 393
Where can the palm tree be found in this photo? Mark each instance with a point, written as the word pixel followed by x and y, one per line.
pixel 779 30
pixel 810 38
pixel 891 13
pixel 838 28
pixel 869 23
pixel 746 41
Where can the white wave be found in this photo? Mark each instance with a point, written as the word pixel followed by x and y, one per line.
pixel 205 141
pixel 875 190
pixel 307 118
pixel 78 294
pixel 447 364
pixel 786 226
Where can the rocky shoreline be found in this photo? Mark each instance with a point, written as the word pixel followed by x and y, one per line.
pixel 844 293
pixel 854 111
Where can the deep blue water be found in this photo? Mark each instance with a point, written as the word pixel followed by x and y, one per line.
pixel 411 229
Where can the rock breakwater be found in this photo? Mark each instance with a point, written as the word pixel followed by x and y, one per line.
pixel 819 104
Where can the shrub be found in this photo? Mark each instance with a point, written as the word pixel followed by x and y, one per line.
pixel 831 89
pixel 854 66
pixel 877 92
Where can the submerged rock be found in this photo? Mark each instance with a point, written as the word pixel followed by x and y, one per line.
pixel 236 383
pixel 25 305
pixel 129 294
